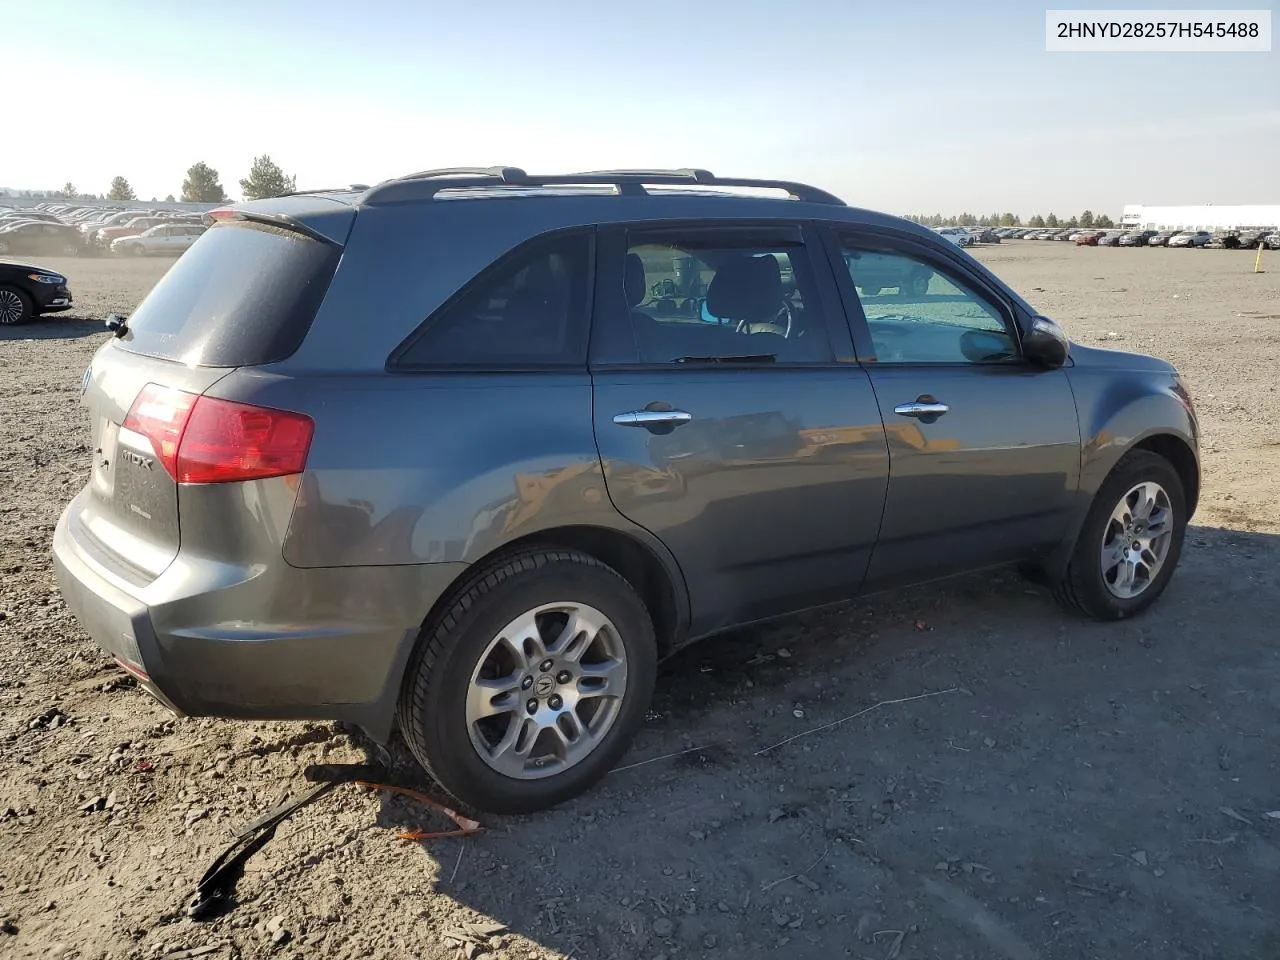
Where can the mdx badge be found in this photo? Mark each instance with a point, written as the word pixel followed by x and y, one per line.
pixel 137 459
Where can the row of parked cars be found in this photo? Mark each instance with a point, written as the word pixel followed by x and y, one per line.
pixel 1247 239
pixel 968 236
pixel 69 230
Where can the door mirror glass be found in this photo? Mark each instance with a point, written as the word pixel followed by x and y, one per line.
pixel 1045 343
pixel 986 346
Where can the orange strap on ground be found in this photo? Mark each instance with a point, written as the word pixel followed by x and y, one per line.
pixel 466 826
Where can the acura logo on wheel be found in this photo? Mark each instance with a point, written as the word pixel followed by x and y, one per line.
pixel 544 685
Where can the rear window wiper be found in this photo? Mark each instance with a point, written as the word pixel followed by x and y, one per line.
pixel 746 358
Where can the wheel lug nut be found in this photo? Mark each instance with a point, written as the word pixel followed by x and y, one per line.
pixel 563 676
pixel 526 683
pixel 546 666
pixel 555 703
pixel 532 706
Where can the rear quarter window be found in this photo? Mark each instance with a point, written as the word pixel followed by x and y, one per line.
pixel 526 311
pixel 244 294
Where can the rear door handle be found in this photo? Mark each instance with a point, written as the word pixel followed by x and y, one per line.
pixel 652 418
pixel 921 409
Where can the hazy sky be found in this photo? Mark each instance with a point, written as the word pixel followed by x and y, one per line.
pixel 906 107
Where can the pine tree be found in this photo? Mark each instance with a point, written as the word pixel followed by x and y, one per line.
pixel 120 190
pixel 266 179
pixel 202 185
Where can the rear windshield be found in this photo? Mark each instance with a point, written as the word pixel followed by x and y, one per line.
pixel 245 293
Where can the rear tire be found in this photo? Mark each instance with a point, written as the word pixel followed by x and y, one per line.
pixel 476 673
pixel 15 306
pixel 1095 582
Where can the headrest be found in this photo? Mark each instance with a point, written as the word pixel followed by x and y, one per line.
pixel 633 281
pixel 746 288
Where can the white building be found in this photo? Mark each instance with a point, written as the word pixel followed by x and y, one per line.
pixel 1203 216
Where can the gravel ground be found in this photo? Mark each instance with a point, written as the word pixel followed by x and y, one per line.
pixel 1068 790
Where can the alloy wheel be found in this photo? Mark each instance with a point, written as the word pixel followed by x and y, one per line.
pixel 11 307
pixel 1136 541
pixel 546 691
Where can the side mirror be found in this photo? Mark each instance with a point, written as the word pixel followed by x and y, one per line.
pixel 1045 344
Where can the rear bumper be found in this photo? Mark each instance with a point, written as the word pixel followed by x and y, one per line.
pixel 284 643
pixel 116 621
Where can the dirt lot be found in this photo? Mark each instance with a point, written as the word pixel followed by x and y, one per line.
pixel 1070 790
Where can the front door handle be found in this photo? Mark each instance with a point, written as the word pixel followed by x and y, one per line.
pixel 923 408
pixel 652 418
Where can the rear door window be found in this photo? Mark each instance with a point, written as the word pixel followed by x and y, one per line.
pixel 244 294
pixel 702 295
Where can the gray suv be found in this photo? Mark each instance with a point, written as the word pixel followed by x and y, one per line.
pixel 466 453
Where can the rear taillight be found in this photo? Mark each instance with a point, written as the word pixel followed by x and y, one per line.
pixel 235 441
pixel 160 414
pixel 207 440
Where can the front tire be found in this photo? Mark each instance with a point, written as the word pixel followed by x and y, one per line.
pixel 530 686
pixel 15 306
pixel 1130 543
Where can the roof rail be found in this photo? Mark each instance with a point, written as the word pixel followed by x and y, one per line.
pixel 425 184
pixel 505 174
pixel 349 188
pixel 700 176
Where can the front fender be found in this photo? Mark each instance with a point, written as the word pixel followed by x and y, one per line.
pixel 1125 402
pixel 1122 423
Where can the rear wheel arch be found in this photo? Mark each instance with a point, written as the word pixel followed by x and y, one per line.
pixel 650 570
pixel 646 566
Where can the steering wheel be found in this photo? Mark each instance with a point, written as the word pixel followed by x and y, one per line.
pixel 664 289
pixel 785 308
